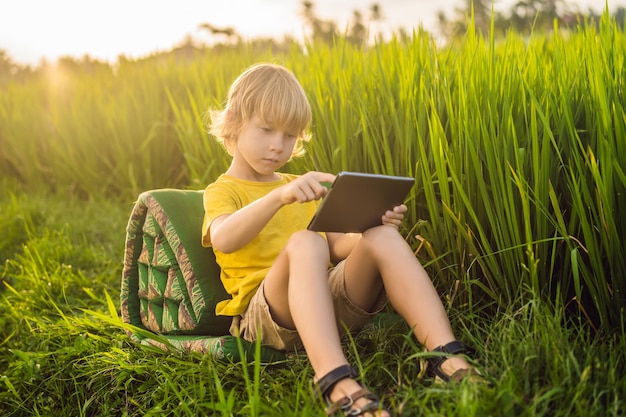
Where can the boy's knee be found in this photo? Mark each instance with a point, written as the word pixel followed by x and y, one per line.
pixel 381 236
pixel 381 232
pixel 306 240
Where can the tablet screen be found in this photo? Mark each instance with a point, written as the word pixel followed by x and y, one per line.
pixel 356 201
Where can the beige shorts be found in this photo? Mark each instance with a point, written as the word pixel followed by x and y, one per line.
pixel 258 320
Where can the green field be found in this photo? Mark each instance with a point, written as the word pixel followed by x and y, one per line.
pixel 517 146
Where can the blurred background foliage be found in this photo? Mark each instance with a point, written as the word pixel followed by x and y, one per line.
pixel 516 138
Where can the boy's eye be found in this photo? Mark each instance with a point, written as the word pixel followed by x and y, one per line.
pixel 291 136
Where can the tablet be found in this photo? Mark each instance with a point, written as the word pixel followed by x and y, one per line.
pixel 356 201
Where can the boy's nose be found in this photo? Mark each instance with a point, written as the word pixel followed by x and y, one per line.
pixel 276 144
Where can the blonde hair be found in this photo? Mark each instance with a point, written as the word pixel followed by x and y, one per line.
pixel 270 92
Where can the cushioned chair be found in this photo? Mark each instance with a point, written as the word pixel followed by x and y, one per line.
pixel 171 284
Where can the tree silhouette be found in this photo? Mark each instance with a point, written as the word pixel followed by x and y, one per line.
pixel 327 30
pixel 525 16
pixel 319 29
pixel 228 32
pixel 536 14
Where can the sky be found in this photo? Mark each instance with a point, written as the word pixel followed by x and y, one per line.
pixel 32 30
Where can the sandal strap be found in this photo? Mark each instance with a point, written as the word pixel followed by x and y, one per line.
pixel 455 347
pixel 346 403
pixel 373 405
pixel 326 383
pixel 461 374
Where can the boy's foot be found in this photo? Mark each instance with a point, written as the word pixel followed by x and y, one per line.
pixel 343 393
pixel 450 364
pixel 457 369
pixel 350 397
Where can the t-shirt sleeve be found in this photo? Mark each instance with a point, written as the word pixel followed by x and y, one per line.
pixel 218 200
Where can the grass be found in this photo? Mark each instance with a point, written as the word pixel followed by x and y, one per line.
pixel 59 357
pixel 517 146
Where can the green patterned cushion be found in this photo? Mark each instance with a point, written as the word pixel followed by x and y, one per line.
pixel 170 283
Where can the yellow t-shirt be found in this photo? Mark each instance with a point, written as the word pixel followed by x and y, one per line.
pixel 243 270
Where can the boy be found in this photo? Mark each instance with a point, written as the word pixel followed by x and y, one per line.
pixel 278 273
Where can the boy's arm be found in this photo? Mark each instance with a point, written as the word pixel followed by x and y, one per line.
pixel 231 232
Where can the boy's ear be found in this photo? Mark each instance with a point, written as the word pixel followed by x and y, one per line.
pixel 229 116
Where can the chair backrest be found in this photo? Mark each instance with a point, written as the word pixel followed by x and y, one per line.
pixel 170 283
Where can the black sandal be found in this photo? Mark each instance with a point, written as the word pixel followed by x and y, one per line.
pixel 326 384
pixel 433 367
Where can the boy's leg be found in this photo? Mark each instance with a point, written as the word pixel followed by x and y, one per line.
pixel 297 292
pixel 383 253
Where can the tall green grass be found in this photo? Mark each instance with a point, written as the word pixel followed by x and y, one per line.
pixel 92 128
pixel 63 351
pixel 516 145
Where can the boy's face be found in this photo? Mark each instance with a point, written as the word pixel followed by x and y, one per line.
pixel 262 149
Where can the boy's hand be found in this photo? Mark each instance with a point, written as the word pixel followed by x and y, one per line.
pixel 308 187
pixel 394 217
